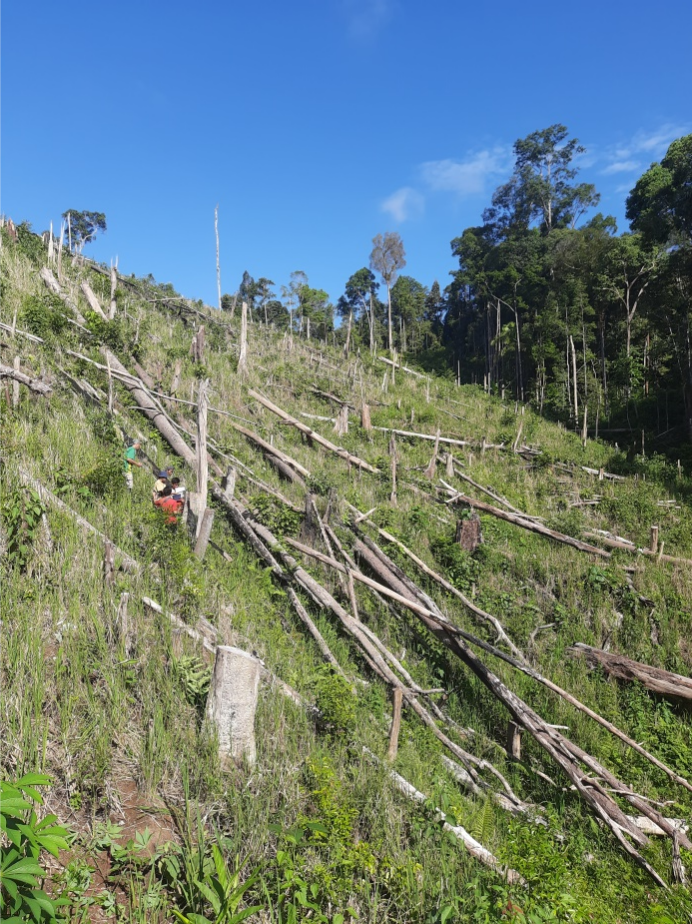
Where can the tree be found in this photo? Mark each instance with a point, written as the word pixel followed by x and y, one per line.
pixel 660 207
pixel 540 190
pixel 84 226
pixel 387 258
pixel 359 293
pixel 408 305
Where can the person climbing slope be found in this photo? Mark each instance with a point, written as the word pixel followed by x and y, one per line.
pixel 129 462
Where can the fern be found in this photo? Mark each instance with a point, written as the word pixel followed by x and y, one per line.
pixel 483 822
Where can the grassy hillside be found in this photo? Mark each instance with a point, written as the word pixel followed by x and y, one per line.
pixel 317 827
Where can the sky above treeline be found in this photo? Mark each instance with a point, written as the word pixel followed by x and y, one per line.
pixel 316 124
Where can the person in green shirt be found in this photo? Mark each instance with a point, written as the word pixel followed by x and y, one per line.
pixel 130 461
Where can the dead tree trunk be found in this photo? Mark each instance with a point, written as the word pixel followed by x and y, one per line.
pixel 242 356
pixel 232 702
pixel 114 286
pixel 365 418
pixel 201 466
pixel 204 533
pixel 432 466
pixel 92 300
pixel 218 262
pixel 673 686
pixel 13 372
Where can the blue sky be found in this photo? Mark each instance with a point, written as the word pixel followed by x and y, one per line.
pixel 318 123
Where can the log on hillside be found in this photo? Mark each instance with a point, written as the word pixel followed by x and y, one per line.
pixel 92 300
pixel 128 563
pixel 461 834
pixel 270 450
pixel 627 546
pixel 653 678
pixel 389 362
pixel 532 526
pixel 36 385
pixel 154 413
pixel 448 440
pixel 54 286
pixel 343 453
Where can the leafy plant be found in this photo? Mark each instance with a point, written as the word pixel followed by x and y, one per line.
pixel 194 678
pixel 21 897
pixel 21 513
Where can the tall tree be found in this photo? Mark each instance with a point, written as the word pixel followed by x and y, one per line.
pixel 660 206
pixel 358 299
pixel 387 258
pixel 84 226
pixel 540 191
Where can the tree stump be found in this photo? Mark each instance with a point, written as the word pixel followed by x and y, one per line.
pixel 232 702
pixel 469 535
pixel 204 533
pixel 365 418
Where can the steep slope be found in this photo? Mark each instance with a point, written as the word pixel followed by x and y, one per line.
pixel 329 829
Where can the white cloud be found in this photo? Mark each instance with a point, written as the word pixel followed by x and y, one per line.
pixel 622 166
pixel 404 204
pixel 653 144
pixel 466 177
pixel 366 18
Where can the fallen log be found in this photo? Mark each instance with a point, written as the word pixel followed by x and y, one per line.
pixel 623 668
pixel 563 751
pixel 418 375
pixel 311 434
pixel 433 437
pixel 443 582
pixel 530 525
pixel 262 551
pixel 36 385
pixel 491 494
pixel 92 300
pixel 128 563
pixel 461 834
pixel 627 546
pixel 54 286
pixel 271 450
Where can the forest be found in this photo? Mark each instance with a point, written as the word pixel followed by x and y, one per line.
pixel 549 303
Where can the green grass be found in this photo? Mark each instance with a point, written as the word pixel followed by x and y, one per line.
pixel 76 707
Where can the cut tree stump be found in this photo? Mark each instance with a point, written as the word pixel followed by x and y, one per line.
pixel 232 702
pixel 469 534
pixel 204 533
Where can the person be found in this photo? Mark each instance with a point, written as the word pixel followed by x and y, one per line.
pixel 169 504
pixel 178 489
pixel 129 462
pixel 160 483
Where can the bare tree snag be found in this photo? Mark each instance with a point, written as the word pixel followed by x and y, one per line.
pixel 653 545
pixel 204 533
pixel 92 300
pixel 228 483
pixel 242 356
pixel 341 423
pixel 393 457
pixel 514 733
pixel 432 465
pixel 60 243
pixel 15 383
pixel 13 372
pixel 114 285
pixel 218 261
pixel 200 343
pixel 342 453
pixel 201 466
pixel 397 699
pixel 365 418
pixel 175 384
pixel 232 702
pixel 673 686
pixel 628 546
pixel 108 563
pixel 123 625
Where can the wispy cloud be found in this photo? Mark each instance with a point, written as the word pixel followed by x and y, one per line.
pixel 469 176
pixel 648 145
pixel 366 18
pixel 622 166
pixel 404 204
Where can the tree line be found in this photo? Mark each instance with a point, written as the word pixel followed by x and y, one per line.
pixel 548 303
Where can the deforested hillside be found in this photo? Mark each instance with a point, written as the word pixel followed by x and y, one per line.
pixel 468 629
